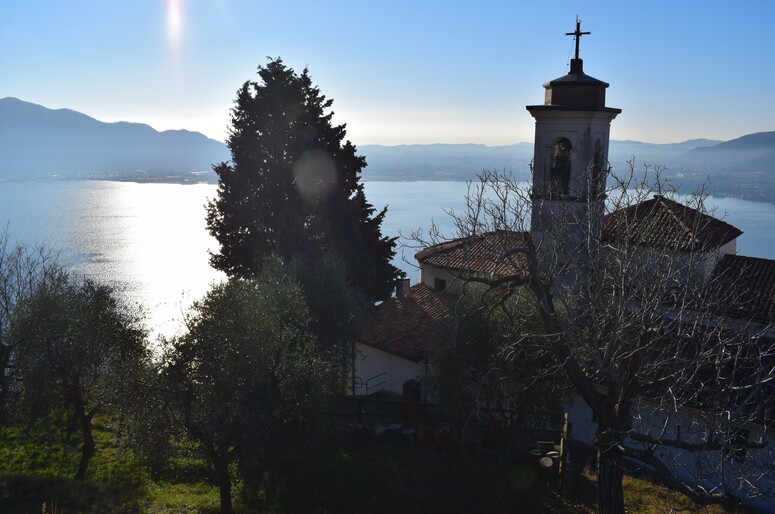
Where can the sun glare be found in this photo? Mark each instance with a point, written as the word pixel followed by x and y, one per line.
pixel 174 23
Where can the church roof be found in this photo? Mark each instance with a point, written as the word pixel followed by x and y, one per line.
pixel 747 287
pixel 491 253
pixel 405 327
pixel 664 223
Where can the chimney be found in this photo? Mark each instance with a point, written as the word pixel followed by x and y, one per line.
pixel 402 288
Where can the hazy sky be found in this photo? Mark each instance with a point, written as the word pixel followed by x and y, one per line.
pixel 399 71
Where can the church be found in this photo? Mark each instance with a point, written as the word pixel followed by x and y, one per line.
pixel 676 259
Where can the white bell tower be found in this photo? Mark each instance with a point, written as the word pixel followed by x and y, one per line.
pixel 570 162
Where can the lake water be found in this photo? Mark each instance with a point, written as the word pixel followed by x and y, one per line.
pixel 150 240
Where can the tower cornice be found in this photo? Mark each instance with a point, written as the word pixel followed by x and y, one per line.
pixel 567 110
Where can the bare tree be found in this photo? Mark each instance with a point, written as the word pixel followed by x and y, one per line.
pixel 668 349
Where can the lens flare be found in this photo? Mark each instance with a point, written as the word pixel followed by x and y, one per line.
pixel 315 174
pixel 174 23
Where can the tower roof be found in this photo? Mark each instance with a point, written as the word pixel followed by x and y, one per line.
pixel 575 90
pixel 576 76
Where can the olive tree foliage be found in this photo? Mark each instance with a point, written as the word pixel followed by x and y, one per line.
pixel 492 369
pixel 293 186
pixel 76 350
pixel 335 309
pixel 246 377
pixel 642 334
pixel 22 270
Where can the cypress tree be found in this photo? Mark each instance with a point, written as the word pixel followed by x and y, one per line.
pixel 293 186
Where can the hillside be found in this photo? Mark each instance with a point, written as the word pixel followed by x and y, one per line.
pixel 753 152
pixel 37 142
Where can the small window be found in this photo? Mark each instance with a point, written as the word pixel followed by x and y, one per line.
pixel 412 390
pixel 561 166
pixel 439 285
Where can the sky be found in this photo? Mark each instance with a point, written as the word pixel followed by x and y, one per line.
pixel 399 72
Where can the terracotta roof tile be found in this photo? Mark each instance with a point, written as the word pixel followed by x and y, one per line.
pixel 747 285
pixel 664 223
pixel 404 327
pixel 487 253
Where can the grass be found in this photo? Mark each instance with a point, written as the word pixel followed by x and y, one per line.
pixel 179 498
pixel 39 464
pixel 355 476
pixel 645 496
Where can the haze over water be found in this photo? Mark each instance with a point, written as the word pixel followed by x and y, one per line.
pixel 151 243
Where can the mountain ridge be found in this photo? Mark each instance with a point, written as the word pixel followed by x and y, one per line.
pixel 38 142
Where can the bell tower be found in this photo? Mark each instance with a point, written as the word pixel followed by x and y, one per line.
pixel 570 161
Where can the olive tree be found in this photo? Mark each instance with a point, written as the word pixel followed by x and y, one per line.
pixel 75 350
pixel 483 374
pixel 335 310
pixel 246 374
pixel 22 270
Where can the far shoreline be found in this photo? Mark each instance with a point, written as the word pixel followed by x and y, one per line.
pixel 197 178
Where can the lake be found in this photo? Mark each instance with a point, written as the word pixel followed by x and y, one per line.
pixel 150 240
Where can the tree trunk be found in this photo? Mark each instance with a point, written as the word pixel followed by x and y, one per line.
pixel 89 447
pixel 610 494
pixel 224 484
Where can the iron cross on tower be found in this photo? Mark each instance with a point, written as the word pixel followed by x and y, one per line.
pixel 577 35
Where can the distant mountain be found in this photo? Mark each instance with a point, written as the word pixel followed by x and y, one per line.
pixel 756 141
pixel 38 142
pixel 443 161
pixel 620 152
pixel 743 167
pixel 754 152
pixel 463 161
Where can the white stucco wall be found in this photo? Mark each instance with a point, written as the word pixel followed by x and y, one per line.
pixel 370 362
pixel 428 274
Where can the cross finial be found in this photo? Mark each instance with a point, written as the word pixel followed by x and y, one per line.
pixel 577 35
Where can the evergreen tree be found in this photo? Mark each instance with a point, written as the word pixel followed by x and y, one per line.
pixel 293 186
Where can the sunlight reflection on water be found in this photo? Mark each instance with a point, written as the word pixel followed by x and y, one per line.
pixel 149 241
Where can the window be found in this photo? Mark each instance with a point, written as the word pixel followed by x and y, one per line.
pixel 439 285
pixel 559 177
